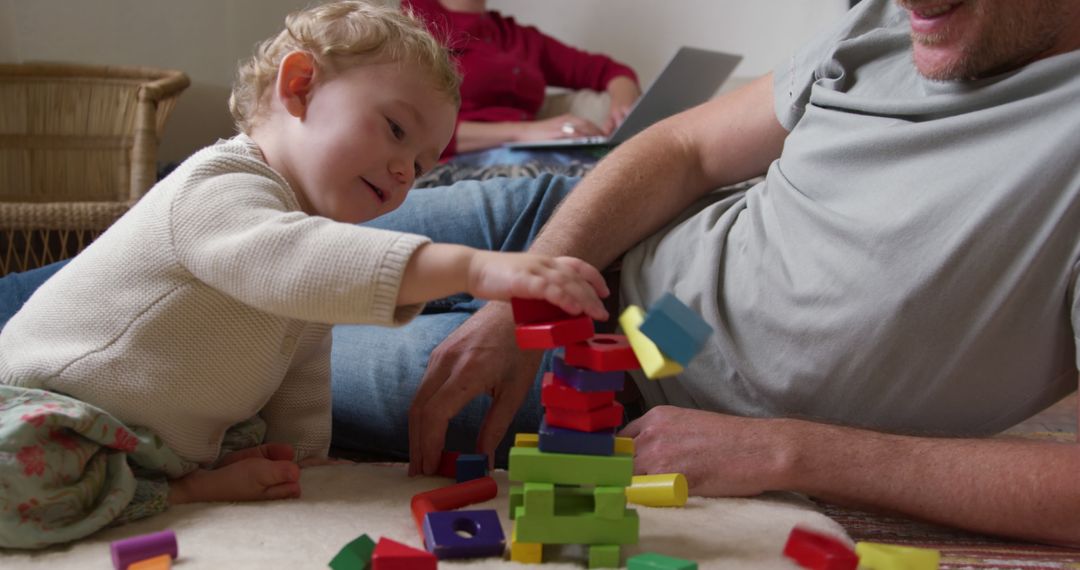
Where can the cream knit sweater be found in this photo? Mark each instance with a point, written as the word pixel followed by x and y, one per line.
pixel 207 303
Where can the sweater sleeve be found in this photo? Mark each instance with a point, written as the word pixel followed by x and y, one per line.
pixel 241 234
pixel 564 66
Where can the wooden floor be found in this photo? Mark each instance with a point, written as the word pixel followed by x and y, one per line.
pixel 1061 417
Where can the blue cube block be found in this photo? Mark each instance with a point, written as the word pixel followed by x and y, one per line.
pixel 464 534
pixel 676 330
pixel 584 380
pixel 471 466
pixel 561 440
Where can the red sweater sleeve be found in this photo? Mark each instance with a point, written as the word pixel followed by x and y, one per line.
pixel 564 66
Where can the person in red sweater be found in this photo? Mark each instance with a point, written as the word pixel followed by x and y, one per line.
pixel 507 67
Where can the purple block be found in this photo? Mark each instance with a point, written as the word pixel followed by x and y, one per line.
pixel 138 548
pixel 464 534
pixel 561 440
pixel 584 380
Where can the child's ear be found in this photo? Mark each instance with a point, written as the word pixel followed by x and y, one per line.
pixel 295 79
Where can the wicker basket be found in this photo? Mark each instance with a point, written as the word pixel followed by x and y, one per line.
pixel 78 147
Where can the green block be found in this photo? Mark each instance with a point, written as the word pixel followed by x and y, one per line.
pixel 354 556
pixel 531 464
pixel 576 528
pixel 540 498
pixel 610 502
pixel 576 498
pixel 653 561
pixel 604 556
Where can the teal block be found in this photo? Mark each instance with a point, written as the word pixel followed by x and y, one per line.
pixel 531 464
pixel 354 556
pixel 539 498
pixel 676 329
pixel 576 528
pixel 610 502
pixel 604 556
pixel 653 561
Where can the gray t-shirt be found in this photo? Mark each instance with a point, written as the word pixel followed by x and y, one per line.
pixel 909 263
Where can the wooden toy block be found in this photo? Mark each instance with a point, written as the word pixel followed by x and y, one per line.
pixel 448 464
pixel 138 548
pixel 163 562
pixel 529 311
pixel 354 556
pixel 666 490
pixel 554 334
pixel 677 330
pixel 531 464
pixel 526 439
pixel 561 440
pixel 557 394
pixel 604 556
pixel 576 528
pixel 817 551
pixel 464 534
pixel 471 466
pixel 653 362
pixel 585 380
pixel 624 445
pixel 392 555
pixel 574 499
pixel 610 502
pixel 525 552
pixel 876 556
pixel 602 353
pixel 653 561
pixel 539 498
pixel 608 417
pixel 452 497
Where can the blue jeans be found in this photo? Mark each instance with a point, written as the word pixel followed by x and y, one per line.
pixel 376 370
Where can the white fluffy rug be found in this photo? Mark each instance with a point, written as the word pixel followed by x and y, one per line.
pixel 342 502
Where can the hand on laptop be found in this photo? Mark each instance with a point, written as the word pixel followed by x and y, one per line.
pixel 561 127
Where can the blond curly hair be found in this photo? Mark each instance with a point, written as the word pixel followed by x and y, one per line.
pixel 340 35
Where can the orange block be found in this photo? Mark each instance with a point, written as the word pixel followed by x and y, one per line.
pixel 163 562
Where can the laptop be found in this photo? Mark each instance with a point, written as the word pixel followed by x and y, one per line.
pixel 691 77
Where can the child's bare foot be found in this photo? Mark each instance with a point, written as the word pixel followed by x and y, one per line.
pixel 253 478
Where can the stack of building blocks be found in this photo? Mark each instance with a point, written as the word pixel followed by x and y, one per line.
pixel 665 339
pixel 574 475
pixel 148 551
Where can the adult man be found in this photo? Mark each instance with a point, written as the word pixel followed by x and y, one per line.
pixel 909 266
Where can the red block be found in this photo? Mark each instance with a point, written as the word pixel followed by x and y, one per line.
pixel 554 334
pixel 594 420
pixel 452 497
pixel 529 311
pixel 448 464
pixel 392 555
pixel 602 353
pixel 555 394
pixel 817 551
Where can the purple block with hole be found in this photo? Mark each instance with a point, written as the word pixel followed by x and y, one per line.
pixel 138 548
pixel 584 380
pixel 464 534
pixel 561 440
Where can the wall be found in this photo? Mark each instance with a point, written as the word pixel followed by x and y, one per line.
pixel 205 38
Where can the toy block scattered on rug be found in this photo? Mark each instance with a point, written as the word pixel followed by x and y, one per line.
pixel 653 362
pixel 653 561
pixel 451 497
pixel 163 562
pixel 665 490
pixel 143 547
pixel 448 464
pixel 818 551
pixel 677 330
pixel 354 555
pixel 464 534
pixel 875 556
pixel 392 555
pixel 471 466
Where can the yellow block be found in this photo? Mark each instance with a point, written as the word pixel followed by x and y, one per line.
pixel 653 362
pixel 163 562
pixel 624 446
pixel 667 490
pixel 526 439
pixel 875 556
pixel 525 552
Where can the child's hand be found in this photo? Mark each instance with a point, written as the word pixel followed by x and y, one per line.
pixel 568 282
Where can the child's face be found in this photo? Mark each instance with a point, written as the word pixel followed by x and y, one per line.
pixel 365 135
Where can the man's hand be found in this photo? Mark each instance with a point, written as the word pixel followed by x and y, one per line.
pixel 480 357
pixel 720 455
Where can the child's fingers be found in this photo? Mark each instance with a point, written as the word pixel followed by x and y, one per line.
pixel 589 273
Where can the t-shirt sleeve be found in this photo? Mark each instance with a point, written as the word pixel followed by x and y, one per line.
pixel 794 77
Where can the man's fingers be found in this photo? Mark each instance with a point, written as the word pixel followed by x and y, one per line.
pixel 435 376
pixel 504 406
pixel 632 429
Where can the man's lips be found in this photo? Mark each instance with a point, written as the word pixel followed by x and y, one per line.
pixel 930 18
